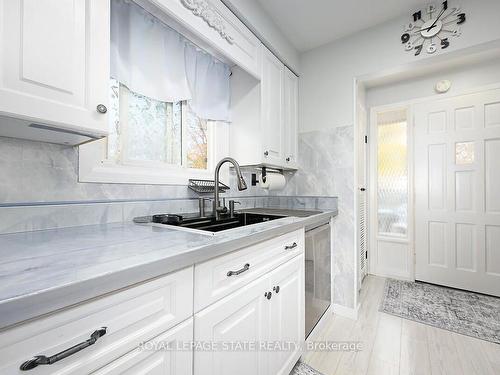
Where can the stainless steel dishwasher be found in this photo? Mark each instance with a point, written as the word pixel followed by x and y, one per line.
pixel 317 274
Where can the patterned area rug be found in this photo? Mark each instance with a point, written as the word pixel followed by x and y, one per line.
pixel 455 310
pixel 303 369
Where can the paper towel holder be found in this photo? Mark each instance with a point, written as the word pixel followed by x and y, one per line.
pixel 254 177
pixel 264 174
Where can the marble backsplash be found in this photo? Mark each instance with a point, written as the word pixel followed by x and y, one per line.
pixel 326 168
pixel 39 189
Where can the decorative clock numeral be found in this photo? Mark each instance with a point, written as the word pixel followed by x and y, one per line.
pixel 409 27
pixel 418 49
pixel 417 16
pixel 409 46
pixel 444 43
pixel 431 48
pixel 457 32
pixel 431 8
pixel 405 38
pixel 460 18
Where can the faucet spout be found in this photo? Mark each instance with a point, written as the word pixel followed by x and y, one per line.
pixel 240 182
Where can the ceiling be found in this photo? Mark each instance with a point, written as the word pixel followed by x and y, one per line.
pixel 308 24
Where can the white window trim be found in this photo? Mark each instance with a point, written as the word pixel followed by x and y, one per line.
pixel 94 166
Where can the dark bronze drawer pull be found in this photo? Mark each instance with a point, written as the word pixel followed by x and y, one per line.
pixel 292 246
pixel 246 267
pixel 44 360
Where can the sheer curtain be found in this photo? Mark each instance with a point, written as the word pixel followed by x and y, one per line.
pixel 156 61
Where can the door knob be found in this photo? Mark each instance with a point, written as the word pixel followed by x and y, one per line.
pixel 288 159
pixel 266 153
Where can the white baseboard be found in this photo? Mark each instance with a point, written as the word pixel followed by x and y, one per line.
pixel 347 312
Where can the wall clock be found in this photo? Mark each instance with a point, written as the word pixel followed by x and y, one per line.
pixel 432 28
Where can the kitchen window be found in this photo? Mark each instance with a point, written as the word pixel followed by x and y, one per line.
pixel 148 132
pixel 168 109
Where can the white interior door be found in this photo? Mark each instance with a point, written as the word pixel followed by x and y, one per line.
pixel 457 182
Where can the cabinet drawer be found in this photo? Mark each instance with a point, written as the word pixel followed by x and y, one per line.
pixel 212 280
pixel 131 316
pixel 154 357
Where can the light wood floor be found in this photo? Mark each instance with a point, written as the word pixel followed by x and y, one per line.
pixel 393 345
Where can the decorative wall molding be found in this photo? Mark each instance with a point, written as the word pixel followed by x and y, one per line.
pixel 203 9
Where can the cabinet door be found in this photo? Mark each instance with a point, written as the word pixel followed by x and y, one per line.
pixel 272 109
pixel 167 354
pixel 287 314
pixel 54 62
pixel 291 116
pixel 241 317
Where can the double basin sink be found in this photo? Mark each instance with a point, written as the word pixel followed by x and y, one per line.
pixel 240 219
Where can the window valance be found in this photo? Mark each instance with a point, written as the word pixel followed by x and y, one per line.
pixel 156 61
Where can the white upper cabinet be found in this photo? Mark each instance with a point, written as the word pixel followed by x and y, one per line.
pixel 54 68
pixel 265 115
pixel 272 108
pixel 291 115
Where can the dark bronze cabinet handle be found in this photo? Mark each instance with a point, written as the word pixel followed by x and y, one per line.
pixel 268 295
pixel 246 267
pixel 292 246
pixel 266 153
pixel 44 360
pixel 276 289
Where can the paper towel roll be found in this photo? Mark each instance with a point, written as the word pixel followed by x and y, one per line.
pixel 274 181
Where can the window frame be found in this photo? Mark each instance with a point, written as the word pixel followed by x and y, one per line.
pixel 95 166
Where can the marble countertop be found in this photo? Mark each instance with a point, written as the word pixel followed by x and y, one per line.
pixel 44 271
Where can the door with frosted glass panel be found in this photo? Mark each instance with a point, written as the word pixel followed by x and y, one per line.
pixel 390 231
pixel 457 187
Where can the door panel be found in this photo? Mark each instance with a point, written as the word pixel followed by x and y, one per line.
pixel 287 314
pixel 240 317
pixel 55 61
pixel 390 185
pixel 272 108
pixel 155 356
pixel 291 117
pixel 457 190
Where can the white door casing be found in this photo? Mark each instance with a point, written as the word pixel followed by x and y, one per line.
pixel 457 211
pixel 362 145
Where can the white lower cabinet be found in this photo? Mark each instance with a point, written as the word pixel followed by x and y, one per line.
pixel 287 315
pixel 131 316
pixel 250 321
pixel 164 355
pixel 253 316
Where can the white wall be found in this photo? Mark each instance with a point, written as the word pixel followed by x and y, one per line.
pixel 462 78
pixel 252 14
pixel 327 72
